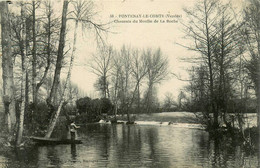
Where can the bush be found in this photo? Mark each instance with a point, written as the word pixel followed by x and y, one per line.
pixel 37 118
pixel 91 109
pixel 83 104
pixel 106 105
pixel 70 110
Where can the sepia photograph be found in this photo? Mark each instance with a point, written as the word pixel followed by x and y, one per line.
pixel 130 83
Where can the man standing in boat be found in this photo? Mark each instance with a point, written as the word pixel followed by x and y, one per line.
pixel 73 130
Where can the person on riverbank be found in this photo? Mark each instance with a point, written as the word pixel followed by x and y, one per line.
pixel 73 130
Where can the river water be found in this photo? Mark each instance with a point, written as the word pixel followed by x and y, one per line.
pixel 140 145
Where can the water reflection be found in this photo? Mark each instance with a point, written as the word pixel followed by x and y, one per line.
pixel 73 152
pixel 135 146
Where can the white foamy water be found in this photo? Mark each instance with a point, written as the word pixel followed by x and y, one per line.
pixel 177 125
pixel 156 123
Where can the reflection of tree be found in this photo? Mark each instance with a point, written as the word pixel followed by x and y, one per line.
pixel 73 151
pixel 114 143
pixel 101 134
pixel 201 138
pixel 40 156
pixel 53 156
pixel 152 139
pixel 226 154
pixel 106 143
pixel 21 157
pixel 128 145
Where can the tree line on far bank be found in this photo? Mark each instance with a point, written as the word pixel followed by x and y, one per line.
pixel 129 77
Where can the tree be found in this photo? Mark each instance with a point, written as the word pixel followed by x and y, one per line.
pixel 34 57
pixel 181 96
pixel 125 79
pixel 101 66
pixel 201 29
pixel 60 56
pixel 7 68
pixel 82 13
pixel 215 33
pixel 49 37
pixel 116 71
pixel 199 89
pixel 252 38
pixel 157 67
pixel 23 52
pixel 227 48
pixel 168 103
pixel 139 70
pixel 120 74
pixel 23 26
pixel 56 80
pixel 106 105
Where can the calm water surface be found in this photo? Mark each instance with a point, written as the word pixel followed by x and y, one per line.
pixel 106 145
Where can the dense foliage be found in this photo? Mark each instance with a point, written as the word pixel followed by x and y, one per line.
pixel 90 110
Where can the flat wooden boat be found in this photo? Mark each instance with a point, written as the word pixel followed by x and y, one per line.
pixel 54 141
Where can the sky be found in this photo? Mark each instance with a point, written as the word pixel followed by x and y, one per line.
pixel 140 35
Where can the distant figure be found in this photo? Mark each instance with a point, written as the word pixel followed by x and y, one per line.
pixel 73 130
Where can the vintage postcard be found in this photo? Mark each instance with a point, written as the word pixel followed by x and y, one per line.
pixel 130 83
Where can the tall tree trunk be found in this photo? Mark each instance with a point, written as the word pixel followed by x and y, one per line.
pixel 210 66
pixel 129 105
pixel 57 113
pixel 258 74
pixel 116 95
pixel 56 81
pixel 22 107
pixel 54 120
pixel 258 105
pixel 27 88
pixel 7 69
pixel 23 82
pixel 34 60
pixel 149 97
pixel 138 97
pixel 107 90
pixel 26 98
pixel 222 86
